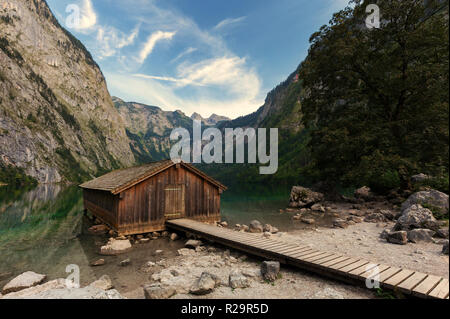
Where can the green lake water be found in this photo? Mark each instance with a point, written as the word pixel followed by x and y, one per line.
pixel 44 230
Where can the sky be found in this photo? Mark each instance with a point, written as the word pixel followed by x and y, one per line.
pixel 204 56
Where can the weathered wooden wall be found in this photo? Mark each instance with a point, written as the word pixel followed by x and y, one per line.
pixel 141 208
pixel 102 204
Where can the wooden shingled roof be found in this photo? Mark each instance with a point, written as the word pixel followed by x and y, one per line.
pixel 119 180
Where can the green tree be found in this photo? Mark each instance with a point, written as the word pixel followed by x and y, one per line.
pixel 376 100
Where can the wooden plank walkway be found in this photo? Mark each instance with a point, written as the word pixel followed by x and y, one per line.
pixel 334 265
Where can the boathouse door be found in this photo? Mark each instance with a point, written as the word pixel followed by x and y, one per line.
pixel 174 201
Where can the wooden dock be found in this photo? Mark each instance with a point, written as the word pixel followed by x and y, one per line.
pixel 330 264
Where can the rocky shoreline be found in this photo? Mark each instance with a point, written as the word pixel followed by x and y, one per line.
pixel 380 229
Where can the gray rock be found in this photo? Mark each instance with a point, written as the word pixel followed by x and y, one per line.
pixel 309 221
pixel 205 284
pixel 430 198
pixel 255 227
pixel 267 228
pixel 115 247
pixel 89 292
pixel 125 262
pixel 304 197
pixel 155 291
pixel 375 217
pixel 238 280
pixel 355 219
pixel 26 280
pixel 385 234
pixel 442 233
pixel 98 262
pixel 104 283
pixel 174 236
pixel 267 234
pixel 416 216
pixel 398 237
pixel 445 248
pixel 418 235
pixel 28 292
pixel 340 223
pixel 192 243
pixel 270 270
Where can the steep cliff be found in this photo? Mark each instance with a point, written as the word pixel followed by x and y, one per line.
pixel 149 127
pixel 57 119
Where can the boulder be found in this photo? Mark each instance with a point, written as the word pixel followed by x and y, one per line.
pixel 418 235
pixel 88 292
pixel 274 230
pixel 192 243
pixel 104 283
pixel 433 199
pixel 445 248
pixel 304 197
pixel 364 193
pixel 442 233
pixel 98 262
pixel 155 291
pixel 98 229
pixel 255 227
pixel 238 280
pixel 385 234
pixel 26 280
pixel 54 284
pixel 397 237
pixel 416 216
pixel 270 270
pixel 267 228
pixel 205 284
pixel 174 236
pixel 318 208
pixel 115 247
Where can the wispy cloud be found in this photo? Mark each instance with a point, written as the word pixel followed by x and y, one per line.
pixel 110 40
pixel 183 54
pixel 151 42
pixel 229 21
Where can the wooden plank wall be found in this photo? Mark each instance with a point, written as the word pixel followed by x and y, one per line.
pixel 202 201
pixel 102 204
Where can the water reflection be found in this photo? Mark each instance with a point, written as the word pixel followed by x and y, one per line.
pixel 39 229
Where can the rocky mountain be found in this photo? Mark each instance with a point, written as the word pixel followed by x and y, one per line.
pixel 149 127
pixel 213 120
pixel 57 119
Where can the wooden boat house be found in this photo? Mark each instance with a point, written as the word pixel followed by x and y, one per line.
pixel 140 199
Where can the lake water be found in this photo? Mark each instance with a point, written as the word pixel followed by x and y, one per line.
pixel 44 230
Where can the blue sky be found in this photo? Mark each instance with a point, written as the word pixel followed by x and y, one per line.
pixel 205 56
